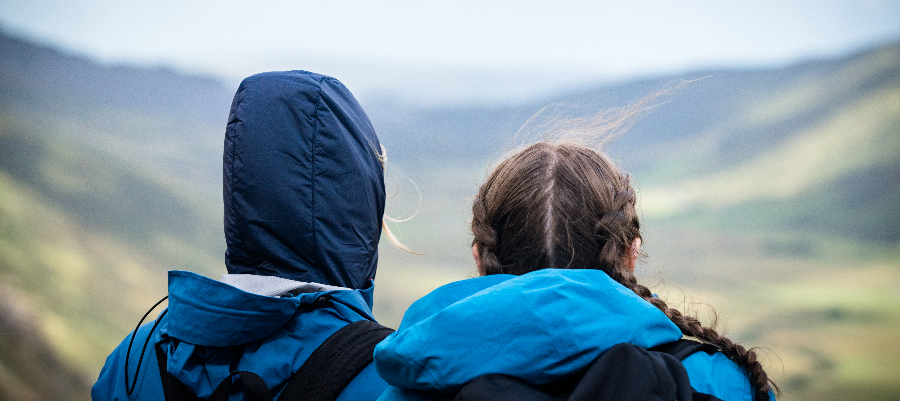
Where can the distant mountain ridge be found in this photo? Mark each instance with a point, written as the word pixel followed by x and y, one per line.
pixel 708 98
pixel 44 75
pixel 725 127
pixel 164 121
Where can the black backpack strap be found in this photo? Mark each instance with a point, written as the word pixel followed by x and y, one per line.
pixel 624 372
pixel 334 364
pixel 254 387
pixel 173 389
pixel 629 372
pixel 501 387
pixel 684 348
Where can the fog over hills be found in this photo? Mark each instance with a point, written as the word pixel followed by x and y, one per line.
pixel 838 117
pixel 110 175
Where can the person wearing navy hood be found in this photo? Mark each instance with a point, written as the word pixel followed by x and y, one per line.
pixel 304 201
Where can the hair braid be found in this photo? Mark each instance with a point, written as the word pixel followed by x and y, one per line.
pixel 485 237
pixel 617 228
pixel 691 326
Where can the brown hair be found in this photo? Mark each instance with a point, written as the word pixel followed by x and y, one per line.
pixel 564 205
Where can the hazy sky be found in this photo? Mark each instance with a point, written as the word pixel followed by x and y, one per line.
pixel 455 49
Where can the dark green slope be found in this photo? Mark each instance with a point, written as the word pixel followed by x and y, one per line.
pixel 84 245
pixel 107 197
pixel 858 209
pixel 29 368
pixel 861 206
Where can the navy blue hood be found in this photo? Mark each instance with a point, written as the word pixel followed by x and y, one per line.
pixel 303 181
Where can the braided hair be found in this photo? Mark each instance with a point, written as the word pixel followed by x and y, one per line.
pixel 563 205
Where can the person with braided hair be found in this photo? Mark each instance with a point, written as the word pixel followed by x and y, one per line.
pixel 556 239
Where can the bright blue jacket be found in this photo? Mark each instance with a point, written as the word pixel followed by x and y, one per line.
pixel 304 198
pixel 538 327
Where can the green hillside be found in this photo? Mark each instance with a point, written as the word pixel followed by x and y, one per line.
pixel 769 194
pixel 836 174
pixel 806 134
pixel 84 244
pixel 101 192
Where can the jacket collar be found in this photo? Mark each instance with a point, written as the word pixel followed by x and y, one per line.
pixel 539 327
pixel 211 313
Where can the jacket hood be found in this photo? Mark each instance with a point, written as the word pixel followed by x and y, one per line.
pixel 303 181
pixel 538 327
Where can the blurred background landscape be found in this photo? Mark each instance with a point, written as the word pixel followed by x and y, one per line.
pixel 769 194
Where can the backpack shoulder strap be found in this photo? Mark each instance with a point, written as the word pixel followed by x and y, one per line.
pixel 173 389
pixel 625 372
pixel 334 364
pixel 629 372
pixel 684 348
pixel 254 387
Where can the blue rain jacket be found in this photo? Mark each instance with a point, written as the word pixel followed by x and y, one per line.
pixel 538 327
pixel 304 198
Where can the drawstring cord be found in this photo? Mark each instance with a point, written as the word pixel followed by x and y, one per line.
pixel 147 341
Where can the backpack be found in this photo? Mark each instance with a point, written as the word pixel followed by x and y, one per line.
pixel 623 372
pixel 324 375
